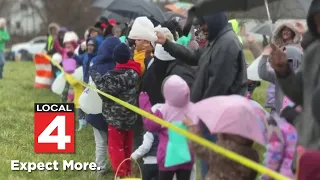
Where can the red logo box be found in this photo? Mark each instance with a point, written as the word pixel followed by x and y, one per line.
pixel 54 128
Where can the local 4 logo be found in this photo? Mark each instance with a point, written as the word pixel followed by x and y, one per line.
pixel 54 128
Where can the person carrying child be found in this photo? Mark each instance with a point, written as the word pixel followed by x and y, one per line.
pixel 120 82
pixel 177 100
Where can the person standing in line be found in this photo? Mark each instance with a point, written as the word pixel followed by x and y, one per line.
pixel 4 37
pixel 221 63
pixel 302 86
pixel 121 83
pixel 148 151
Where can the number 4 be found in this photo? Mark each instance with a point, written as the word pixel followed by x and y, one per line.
pixel 61 139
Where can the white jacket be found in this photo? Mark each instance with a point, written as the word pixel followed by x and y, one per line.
pixel 144 148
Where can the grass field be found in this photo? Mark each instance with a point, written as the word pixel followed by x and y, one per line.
pixel 17 96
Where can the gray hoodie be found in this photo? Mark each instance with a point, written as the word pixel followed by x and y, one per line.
pixel 294 55
pixel 301 86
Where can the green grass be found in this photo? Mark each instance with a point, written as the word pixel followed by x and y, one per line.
pixel 17 96
pixel 259 94
pixel 16 134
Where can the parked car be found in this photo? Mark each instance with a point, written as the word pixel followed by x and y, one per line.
pixel 34 46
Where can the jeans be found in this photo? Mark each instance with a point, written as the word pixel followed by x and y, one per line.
pixel 2 62
pixel 100 138
pixel 204 165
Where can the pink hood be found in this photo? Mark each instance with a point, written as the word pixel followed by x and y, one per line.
pixel 177 98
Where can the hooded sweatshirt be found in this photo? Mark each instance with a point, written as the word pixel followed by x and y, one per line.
pixel 86 59
pixel 270 92
pixel 224 51
pixel 221 64
pixel 295 55
pixel 102 63
pixel 301 86
pixel 278 34
pixel 177 101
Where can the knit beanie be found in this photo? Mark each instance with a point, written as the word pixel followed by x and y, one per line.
pixel 143 29
pixel 121 53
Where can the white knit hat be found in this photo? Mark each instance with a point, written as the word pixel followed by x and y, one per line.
pixel 143 29
pixel 159 51
pixel 70 36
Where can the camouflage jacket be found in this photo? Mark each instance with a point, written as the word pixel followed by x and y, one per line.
pixel 121 84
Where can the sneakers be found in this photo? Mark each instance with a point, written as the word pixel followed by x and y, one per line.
pixel 82 124
pixel 102 172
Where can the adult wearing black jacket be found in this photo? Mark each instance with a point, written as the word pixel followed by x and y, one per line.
pixel 221 63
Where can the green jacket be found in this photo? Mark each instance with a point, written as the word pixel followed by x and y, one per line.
pixel 235 27
pixel 184 40
pixel 49 43
pixel 4 36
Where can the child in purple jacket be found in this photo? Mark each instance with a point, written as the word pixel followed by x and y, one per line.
pixel 177 100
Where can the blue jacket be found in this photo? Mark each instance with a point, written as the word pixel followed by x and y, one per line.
pixel 99 40
pixel 85 60
pixel 103 63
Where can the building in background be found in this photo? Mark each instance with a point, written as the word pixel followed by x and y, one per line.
pixel 21 18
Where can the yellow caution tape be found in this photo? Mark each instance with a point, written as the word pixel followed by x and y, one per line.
pixel 225 152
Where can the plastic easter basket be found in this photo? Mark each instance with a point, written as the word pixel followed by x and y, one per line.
pixel 69 65
pixel 128 178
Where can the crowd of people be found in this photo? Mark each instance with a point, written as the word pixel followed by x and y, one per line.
pixel 162 70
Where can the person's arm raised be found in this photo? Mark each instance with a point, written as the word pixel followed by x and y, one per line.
pixel 264 71
pixel 291 83
pixel 178 51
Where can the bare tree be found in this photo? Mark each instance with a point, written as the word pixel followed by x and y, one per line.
pixel 76 14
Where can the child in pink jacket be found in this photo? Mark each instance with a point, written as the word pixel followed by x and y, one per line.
pixel 67 51
pixel 177 100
